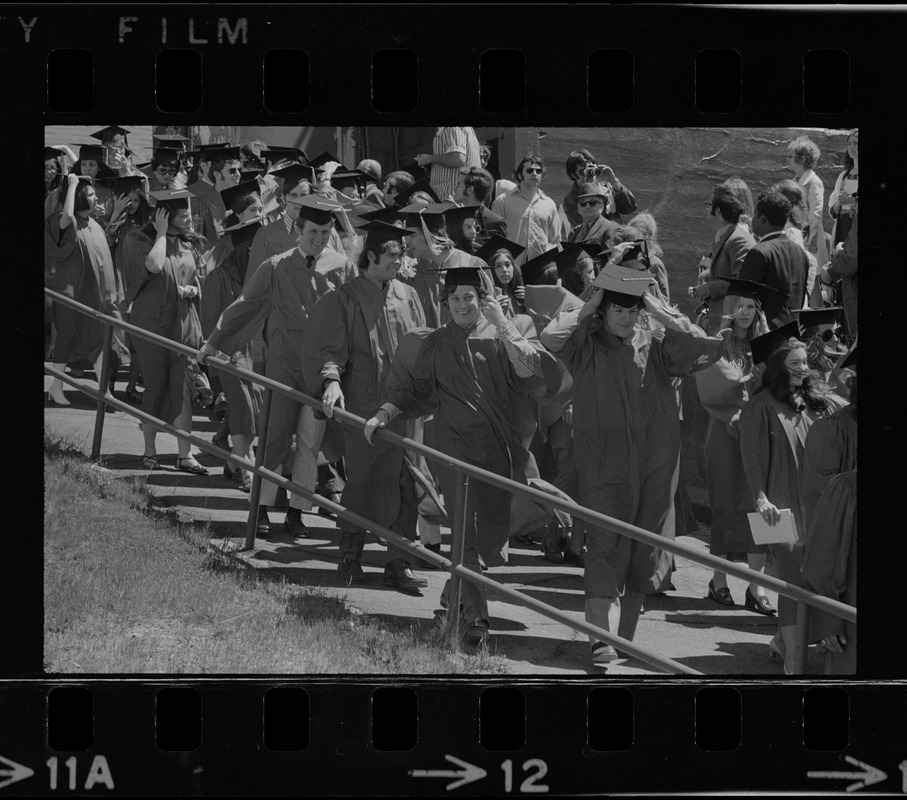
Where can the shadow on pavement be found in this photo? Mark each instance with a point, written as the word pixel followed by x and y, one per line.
pixel 543 652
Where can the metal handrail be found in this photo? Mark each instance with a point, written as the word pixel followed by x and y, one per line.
pixel 804 597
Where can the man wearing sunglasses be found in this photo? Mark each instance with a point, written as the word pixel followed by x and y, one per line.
pixel 224 170
pixel 530 215
pixel 595 226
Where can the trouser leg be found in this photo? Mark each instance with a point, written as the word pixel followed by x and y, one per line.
pixel 604 613
pixel 284 416
pixel 305 461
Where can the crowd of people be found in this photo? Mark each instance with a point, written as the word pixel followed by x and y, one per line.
pixel 532 338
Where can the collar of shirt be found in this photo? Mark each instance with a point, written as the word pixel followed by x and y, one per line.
pixel 539 195
pixel 203 179
pixel 772 235
pixel 723 230
pixel 288 222
pixel 305 255
pixel 374 281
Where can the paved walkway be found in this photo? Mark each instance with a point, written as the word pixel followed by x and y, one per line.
pixel 681 624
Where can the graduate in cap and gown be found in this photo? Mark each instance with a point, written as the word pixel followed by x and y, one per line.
pixel 500 254
pixel 828 487
pixel 79 265
pixel 773 430
pixel 480 375
pixel 223 286
pixel 435 253
pixel 355 332
pixel 164 301
pixel 627 434
pixel 279 297
pixel 724 389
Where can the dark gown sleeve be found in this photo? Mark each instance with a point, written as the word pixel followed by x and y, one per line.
pixel 327 341
pixel 244 318
pixel 410 383
pixel 554 379
pixel 58 244
pixel 689 350
pixel 756 444
pixel 823 457
pixel 136 247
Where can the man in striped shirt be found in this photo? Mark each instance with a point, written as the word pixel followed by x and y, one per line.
pixel 453 149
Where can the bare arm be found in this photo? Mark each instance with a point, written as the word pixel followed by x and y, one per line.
pixel 69 204
pixel 154 261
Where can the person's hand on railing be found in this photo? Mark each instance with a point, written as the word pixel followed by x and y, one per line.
pixel 378 421
pixel 835 643
pixel 204 351
pixel 768 510
pixel 331 396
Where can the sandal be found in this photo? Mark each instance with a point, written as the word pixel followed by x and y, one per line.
pixel 190 465
pixel 149 462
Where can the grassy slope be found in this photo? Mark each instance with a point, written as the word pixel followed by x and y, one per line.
pixel 125 592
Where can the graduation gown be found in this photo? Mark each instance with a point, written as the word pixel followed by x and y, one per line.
pixel 157 307
pixel 830 566
pixel 278 297
pixel 354 335
pixel 831 448
pixel 772 438
pixel 484 413
pixel 429 283
pixel 209 212
pixel 628 455
pixel 81 267
pixel 724 388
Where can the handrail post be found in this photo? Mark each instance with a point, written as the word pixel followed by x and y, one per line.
pixel 103 380
pixel 801 639
pixel 255 494
pixel 457 548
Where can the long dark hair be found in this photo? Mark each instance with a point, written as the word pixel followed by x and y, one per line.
pixel 198 241
pixel 812 393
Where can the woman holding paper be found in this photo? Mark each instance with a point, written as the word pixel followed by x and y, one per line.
pixel 773 428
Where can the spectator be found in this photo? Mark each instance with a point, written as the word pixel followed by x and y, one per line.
pixel 724 389
pixel 80 266
pixel 844 267
pixel 395 183
pixel 453 149
pixel 529 214
pixel 773 427
pixel 741 191
pixel 372 170
pixel 279 296
pixel 484 155
pixel 645 223
pixel 164 167
pixel 776 261
pixel 842 203
pixel 473 190
pixel 793 230
pixel 731 243
pixel 802 156
pixel 484 413
pixel 595 227
pixel 618 198
pixel 164 301
pixel 628 467
pixel 346 359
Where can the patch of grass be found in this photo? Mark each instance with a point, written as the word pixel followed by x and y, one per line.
pixel 127 591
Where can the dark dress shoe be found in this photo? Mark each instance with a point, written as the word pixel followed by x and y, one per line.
pixel 294 525
pixel 350 572
pixel 399 576
pixel 574 558
pixel 721 596
pixel 759 604
pixel 334 497
pixel 423 564
pixel 264 523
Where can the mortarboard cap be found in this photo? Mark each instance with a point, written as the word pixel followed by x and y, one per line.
pixel 170 141
pixel 387 215
pixel 573 252
pixel 315 209
pixel 106 134
pixel 763 346
pixel 420 185
pixel 463 276
pixel 457 215
pixel 172 199
pixel 248 174
pixel 275 154
pixel 351 177
pixel 243 231
pixel 51 152
pixel 124 184
pixel 432 215
pixel 378 232
pixel 737 287
pixel 533 268
pixel 233 194
pixel 809 317
pixel 624 286
pixel 292 174
pixel 496 243
pixel 325 158
pixel 91 152
pixel 225 153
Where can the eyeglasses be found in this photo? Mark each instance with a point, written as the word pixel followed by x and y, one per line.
pixel 827 335
pixel 533 170
pixel 585 203
pixel 234 170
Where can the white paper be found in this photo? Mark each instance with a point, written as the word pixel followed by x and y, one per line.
pixel 782 532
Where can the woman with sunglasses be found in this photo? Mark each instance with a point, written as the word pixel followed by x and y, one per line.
pixel 842 203
pixel 595 227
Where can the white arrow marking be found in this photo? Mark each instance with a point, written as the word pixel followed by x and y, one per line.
pixel 468 773
pixel 15 773
pixel 867 778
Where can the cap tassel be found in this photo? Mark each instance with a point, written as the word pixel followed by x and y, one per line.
pixel 434 243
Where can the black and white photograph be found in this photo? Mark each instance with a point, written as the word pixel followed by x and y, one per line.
pixel 469 401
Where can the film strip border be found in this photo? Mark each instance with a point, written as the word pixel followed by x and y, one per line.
pixel 370 739
pixel 655 65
